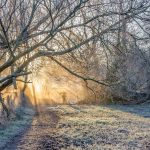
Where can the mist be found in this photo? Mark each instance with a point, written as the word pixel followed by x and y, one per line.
pixel 56 86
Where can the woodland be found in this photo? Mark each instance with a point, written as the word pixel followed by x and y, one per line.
pixel 75 55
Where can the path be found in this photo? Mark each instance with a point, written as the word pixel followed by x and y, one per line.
pixel 42 127
pixel 87 127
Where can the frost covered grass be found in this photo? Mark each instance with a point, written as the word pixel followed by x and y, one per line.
pixel 15 126
pixel 107 127
pixel 77 127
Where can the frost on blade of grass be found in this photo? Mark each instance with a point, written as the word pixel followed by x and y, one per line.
pixel 15 126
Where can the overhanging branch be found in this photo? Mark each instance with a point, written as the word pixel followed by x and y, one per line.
pixel 77 75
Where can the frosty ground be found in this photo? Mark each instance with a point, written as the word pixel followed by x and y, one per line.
pixel 75 127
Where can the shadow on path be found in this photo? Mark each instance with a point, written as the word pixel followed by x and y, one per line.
pixel 31 138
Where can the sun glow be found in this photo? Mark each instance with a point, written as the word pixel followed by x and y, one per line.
pixel 56 87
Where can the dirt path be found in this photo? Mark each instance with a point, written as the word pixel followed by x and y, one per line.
pixel 33 138
pixel 88 128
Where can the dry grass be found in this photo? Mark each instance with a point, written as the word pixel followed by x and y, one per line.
pixel 97 127
pixel 77 127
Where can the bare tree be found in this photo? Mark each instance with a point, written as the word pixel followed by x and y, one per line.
pixel 33 29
